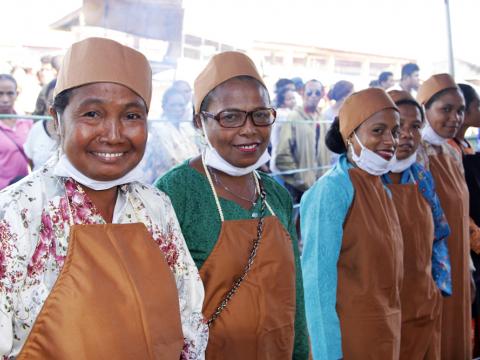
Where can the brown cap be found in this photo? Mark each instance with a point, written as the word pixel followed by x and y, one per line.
pixel 360 106
pixel 219 69
pixel 433 85
pixel 102 60
pixel 401 95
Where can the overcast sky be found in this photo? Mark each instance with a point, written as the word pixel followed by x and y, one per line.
pixel 406 28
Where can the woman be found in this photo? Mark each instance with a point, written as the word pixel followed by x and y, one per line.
pixel 352 257
pixel 235 220
pixel 471 162
pixel 13 133
pixel 444 109
pixel 42 141
pixel 285 104
pixel 93 264
pixel 171 140
pixel 424 229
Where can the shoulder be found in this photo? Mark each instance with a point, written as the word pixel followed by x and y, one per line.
pixel 420 172
pixel 176 176
pixel 152 197
pixel 335 185
pixel 26 200
pixel 452 149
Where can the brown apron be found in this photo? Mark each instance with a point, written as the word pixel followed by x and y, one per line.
pixel 456 315
pixel 370 273
pixel 115 298
pixel 420 297
pixel 258 322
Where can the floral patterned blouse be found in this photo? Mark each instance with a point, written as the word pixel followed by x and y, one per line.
pixel 34 234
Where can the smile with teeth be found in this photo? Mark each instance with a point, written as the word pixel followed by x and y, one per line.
pixel 108 155
pixel 252 146
pixel 247 147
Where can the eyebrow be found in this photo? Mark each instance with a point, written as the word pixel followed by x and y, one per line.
pixel 135 103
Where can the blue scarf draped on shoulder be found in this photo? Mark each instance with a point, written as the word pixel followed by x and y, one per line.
pixel 441 270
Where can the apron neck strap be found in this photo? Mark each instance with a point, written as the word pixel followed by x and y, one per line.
pixel 217 201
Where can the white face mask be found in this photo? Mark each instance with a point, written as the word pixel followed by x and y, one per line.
pixel 369 161
pixel 65 168
pixel 213 159
pixel 399 166
pixel 430 136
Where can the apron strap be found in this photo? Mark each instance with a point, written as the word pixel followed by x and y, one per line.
pixel 217 201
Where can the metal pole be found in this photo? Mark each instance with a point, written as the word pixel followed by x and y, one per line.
pixel 451 60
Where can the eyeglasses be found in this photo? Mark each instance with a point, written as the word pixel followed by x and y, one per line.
pixel 238 118
pixel 316 92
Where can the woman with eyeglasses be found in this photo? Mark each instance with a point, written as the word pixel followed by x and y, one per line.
pixel 352 257
pixel 444 110
pixel 238 222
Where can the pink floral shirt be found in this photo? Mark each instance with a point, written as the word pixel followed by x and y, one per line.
pixel 34 232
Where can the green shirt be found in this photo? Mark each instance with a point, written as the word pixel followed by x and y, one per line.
pixel 197 213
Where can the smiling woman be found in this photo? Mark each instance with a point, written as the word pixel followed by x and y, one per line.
pixel 93 263
pixel 445 107
pixel 352 256
pixel 237 222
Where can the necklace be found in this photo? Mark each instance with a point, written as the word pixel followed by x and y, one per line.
pixel 219 182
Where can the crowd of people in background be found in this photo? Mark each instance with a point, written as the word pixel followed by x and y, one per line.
pixel 377 186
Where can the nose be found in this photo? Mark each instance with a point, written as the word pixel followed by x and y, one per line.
pixel 4 98
pixel 249 127
pixel 389 139
pixel 458 117
pixel 405 133
pixel 112 131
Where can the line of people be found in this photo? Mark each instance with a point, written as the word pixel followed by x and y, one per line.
pixel 205 264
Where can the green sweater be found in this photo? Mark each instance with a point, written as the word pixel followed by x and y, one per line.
pixel 198 216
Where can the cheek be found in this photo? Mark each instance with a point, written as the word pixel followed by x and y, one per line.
pixel 436 119
pixel 372 143
pixel 137 134
pixel 417 137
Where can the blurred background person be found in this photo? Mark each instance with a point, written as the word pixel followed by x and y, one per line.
pixel 42 140
pixel 184 87
pixel 28 86
pixel 170 140
pixel 410 80
pixel 299 88
pixel 300 141
pixel 337 95
pixel 13 133
pixel 385 80
pixel 285 103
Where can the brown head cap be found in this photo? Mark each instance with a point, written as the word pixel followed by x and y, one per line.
pixel 220 68
pixel 102 60
pixel 360 106
pixel 433 85
pixel 401 95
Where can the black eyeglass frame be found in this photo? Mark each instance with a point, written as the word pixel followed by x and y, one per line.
pixel 246 114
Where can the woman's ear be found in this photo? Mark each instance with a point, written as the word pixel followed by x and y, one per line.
pixel 56 121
